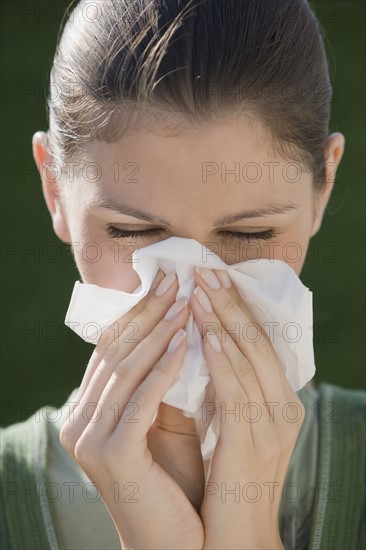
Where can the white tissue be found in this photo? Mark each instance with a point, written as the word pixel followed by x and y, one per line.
pixel 271 289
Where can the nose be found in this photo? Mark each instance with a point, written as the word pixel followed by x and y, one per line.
pixel 229 253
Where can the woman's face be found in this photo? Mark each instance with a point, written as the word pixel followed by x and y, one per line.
pixel 207 184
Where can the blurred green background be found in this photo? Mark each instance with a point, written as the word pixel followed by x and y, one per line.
pixel 42 360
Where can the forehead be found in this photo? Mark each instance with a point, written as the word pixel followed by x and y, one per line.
pixel 196 169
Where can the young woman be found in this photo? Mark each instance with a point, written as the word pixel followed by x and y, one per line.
pixel 208 120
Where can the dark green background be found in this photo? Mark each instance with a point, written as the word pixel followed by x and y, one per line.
pixel 43 366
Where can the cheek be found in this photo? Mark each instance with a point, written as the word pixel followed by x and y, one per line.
pixel 106 262
pixel 293 253
pixel 290 248
pixel 101 260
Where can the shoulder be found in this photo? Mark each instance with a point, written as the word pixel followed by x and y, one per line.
pixel 348 396
pixel 332 404
pixel 24 442
pixel 23 454
pixel 339 494
pixel 346 413
pixel 340 414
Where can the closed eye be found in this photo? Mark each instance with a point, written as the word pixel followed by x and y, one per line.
pixel 125 233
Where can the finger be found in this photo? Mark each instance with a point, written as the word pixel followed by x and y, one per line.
pixel 141 320
pixel 268 426
pixel 108 335
pixel 243 413
pixel 142 325
pixel 155 308
pixel 119 325
pixel 132 369
pixel 150 392
pixel 251 408
pixel 251 338
pixel 230 395
pixel 241 366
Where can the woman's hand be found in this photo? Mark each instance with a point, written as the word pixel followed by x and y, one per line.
pixel 122 388
pixel 241 504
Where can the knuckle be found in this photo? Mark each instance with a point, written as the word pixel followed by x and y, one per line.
pixel 229 305
pixel 115 341
pixel 245 369
pixel 112 350
pixel 263 345
pixel 139 397
pixel 163 365
pixel 106 339
pixel 159 330
pixel 238 396
pixel 123 368
pixel 68 438
pixel 148 311
pixel 150 307
pixel 80 453
pixel 225 369
pixel 85 452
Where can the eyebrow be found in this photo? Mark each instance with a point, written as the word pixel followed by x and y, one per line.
pixel 232 218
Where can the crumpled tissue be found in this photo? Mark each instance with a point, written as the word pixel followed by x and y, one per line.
pixel 271 289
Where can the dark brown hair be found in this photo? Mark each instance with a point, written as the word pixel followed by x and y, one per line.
pixel 194 61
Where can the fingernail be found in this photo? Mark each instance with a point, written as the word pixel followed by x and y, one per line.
pixel 224 278
pixel 176 340
pixel 209 277
pixel 176 308
pixel 214 342
pixel 203 299
pixel 165 284
pixel 158 277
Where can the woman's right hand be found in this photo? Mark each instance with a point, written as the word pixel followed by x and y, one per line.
pixel 108 439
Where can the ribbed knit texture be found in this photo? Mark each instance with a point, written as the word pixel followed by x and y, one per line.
pixel 338 516
pixel 26 521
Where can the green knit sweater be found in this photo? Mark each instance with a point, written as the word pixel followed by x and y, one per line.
pixel 338 518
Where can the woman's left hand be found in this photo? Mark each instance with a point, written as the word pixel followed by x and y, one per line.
pixel 260 420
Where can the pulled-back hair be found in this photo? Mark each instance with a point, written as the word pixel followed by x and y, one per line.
pixel 191 61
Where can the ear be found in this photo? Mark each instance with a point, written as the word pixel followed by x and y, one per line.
pixel 333 153
pixel 51 189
